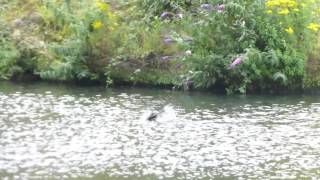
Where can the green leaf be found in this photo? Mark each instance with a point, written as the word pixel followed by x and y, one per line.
pixel 280 77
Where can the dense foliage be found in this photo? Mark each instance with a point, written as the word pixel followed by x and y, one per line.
pixel 235 45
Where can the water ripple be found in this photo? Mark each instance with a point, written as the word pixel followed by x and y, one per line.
pixel 45 135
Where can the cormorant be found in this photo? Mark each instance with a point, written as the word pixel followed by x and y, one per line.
pixel 154 115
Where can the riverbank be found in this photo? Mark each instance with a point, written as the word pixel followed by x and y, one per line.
pixel 236 47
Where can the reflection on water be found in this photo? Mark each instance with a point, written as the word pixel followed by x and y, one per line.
pixel 62 132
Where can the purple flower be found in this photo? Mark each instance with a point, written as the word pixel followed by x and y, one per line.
pixel 207 7
pixel 236 62
pixel 220 8
pixel 168 40
pixel 167 15
pixel 165 58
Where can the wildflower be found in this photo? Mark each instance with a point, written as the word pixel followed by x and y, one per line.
pixel 236 62
pixel 281 3
pixel 167 15
pixel 168 41
pixel 292 3
pixel 166 58
pixel 188 53
pixel 314 27
pixel 289 30
pixel 220 8
pixel 180 16
pixel 102 6
pixel 272 3
pixel 284 11
pixel 207 7
pixel 96 24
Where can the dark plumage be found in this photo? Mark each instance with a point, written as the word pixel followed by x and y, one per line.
pixel 152 117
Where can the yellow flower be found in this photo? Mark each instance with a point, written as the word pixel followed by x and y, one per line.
pixel 314 27
pixel 284 11
pixel 96 24
pixel 272 3
pixel 289 30
pixel 290 3
pixel 281 3
pixel 102 6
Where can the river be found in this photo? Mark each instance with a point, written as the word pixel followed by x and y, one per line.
pixel 55 131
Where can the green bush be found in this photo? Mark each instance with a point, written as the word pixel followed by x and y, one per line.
pixel 153 9
pixel 238 45
pixel 76 34
pixel 9 54
pixel 273 57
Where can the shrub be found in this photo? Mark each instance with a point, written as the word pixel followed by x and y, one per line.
pixel 9 54
pixel 270 44
pixel 79 33
pixel 154 9
pixel 238 45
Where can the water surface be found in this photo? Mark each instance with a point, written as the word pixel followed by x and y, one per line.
pixel 67 132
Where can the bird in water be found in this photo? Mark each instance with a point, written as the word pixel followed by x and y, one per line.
pixel 155 114
pixel 152 117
